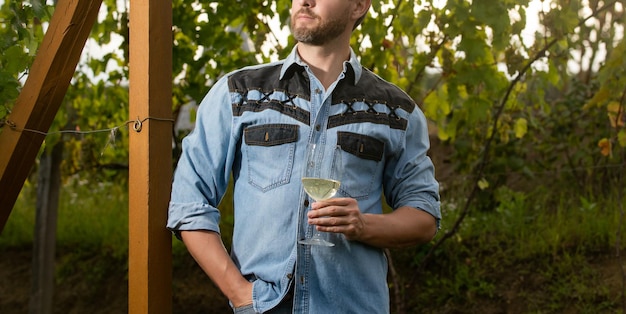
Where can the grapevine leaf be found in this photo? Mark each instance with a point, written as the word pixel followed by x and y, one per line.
pixel 521 127
pixel 605 147
pixel 483 184
pixel 621 138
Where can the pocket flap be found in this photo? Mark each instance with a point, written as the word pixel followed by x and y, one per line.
pixel 360 145
pixel 271 134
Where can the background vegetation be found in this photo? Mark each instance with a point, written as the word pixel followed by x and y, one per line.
pixel 526 107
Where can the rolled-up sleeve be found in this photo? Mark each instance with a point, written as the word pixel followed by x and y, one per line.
pixel 410 174
pixel 203 170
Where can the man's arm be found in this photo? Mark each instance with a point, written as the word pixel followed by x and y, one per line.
pixel 403 227
pixel 208 250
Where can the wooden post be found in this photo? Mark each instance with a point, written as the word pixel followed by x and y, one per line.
pixel 150 164
pixel 42 94
pixel 44 246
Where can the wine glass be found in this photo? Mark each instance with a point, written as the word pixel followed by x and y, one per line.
pixel 321 181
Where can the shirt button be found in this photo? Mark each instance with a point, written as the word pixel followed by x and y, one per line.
pixel 317 127
pixel 318 91
pixel 306 203
pixel 289 276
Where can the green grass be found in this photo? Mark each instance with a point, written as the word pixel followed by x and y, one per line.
pixel 90 215
pixel 545 222
pixel 19 228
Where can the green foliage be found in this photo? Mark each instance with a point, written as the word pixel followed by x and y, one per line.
pixel 20 34
pixel 611 96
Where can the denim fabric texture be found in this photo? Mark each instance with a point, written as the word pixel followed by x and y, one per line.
pixel 255 123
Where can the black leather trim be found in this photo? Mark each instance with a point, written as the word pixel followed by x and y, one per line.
pixel 295 112
pixel 364 116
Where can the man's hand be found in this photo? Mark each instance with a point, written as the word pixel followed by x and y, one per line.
pixel 405 226
pixel 338 215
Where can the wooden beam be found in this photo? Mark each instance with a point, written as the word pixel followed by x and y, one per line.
pixel 150 161
pixel 42 94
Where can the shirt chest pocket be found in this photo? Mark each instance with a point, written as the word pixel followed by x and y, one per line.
pixel 269 154
pixel 363 162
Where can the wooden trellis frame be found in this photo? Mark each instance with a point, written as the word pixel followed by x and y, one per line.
pixel 150 265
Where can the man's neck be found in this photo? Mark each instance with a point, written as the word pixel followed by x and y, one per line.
pixel 326 61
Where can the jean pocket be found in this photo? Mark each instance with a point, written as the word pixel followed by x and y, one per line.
pixel 269 150
pixel 246 309
pixel 364 159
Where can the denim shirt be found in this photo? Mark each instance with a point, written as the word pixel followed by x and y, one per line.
pixel 255 123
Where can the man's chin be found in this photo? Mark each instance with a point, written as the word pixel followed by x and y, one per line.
pixel 303 37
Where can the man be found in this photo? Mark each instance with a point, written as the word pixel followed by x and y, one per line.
pixel 255 123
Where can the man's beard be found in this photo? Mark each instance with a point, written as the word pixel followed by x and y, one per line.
pixel 317 36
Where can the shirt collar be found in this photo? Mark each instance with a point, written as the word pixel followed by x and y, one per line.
pixel 293 62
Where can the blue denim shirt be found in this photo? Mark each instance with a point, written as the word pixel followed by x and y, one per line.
pixel 255 123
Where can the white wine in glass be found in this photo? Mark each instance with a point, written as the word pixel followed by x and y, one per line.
pixel 321 182
pixel 320 189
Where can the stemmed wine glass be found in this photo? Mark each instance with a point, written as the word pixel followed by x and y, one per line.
pixel 321 181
